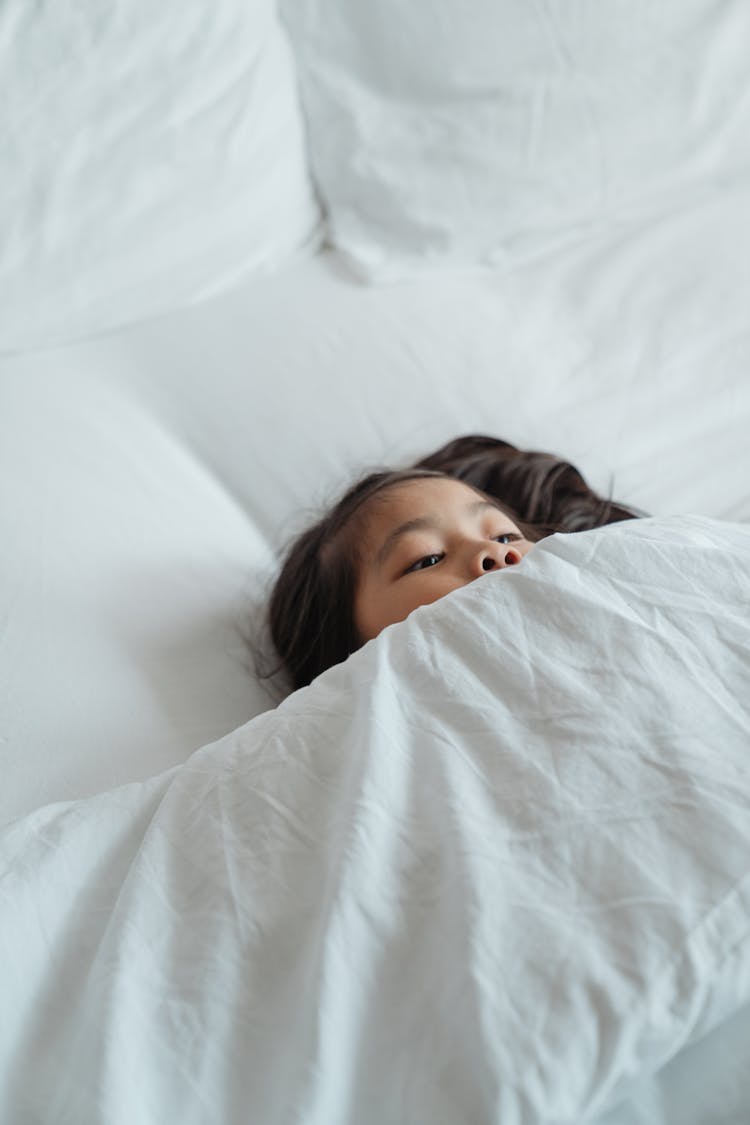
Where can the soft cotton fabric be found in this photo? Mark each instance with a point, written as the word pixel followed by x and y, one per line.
pixel 491 868
pixel 152 154
pixel 446 137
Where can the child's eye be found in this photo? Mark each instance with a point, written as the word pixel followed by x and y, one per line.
pixel 423 563
pixel 507 537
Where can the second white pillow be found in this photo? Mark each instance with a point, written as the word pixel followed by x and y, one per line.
pixel 451 135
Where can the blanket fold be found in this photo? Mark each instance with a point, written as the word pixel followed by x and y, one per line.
pixel 494 868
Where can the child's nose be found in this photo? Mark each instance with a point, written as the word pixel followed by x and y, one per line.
pixel 495 556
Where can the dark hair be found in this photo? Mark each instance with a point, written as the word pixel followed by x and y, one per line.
pixel 311 610
pixel 538 488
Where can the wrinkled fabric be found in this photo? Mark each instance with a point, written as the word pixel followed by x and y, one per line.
pixel 153 156
pixel 493 868
pixel 440 142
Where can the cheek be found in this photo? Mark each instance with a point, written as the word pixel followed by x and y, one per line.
pixel 428 588
pixel 432 587
pixel 376 607
pixel 373 610
pixel 361 614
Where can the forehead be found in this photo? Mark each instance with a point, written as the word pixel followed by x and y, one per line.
pixel 414 498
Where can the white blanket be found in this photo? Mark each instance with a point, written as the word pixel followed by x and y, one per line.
pixel 494 868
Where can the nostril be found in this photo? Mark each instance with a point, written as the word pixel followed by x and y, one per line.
pixel 488 563
pixel 511 558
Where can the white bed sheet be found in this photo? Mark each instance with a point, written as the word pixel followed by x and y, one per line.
pixel 148 477
pixel 492 869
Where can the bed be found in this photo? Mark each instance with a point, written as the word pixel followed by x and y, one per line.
pixel 246 255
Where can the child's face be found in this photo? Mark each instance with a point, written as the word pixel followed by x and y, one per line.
pixel 423 539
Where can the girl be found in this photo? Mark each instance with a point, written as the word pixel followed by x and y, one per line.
pixel 400 539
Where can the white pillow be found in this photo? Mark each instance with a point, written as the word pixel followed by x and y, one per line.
pixel 151 155
pixel 457 134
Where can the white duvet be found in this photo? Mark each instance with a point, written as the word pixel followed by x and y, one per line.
pixel 494 868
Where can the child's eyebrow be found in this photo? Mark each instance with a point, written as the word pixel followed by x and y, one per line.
pixel 425 523
pixel 421 523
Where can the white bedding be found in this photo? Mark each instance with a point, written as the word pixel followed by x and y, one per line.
pixel 492 868
pixel 441 140
pixel 148 478
pixel 152 155
pixel 332 915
